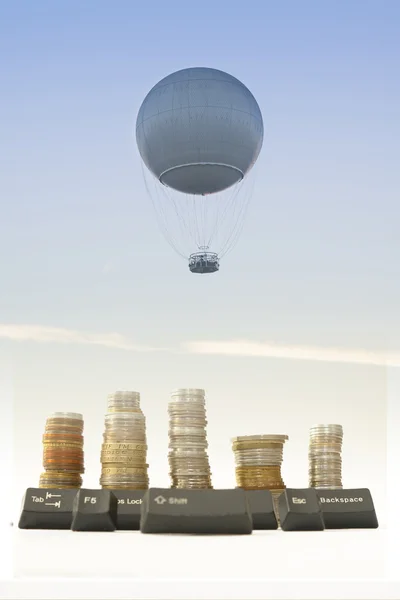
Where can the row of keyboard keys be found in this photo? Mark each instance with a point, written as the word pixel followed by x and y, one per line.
pixel 232 511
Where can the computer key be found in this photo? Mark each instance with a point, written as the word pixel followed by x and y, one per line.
pixel 47 509
pixel 94 510
pixel 348 509
pixel 196 511
pixel 262 509
pixel 129 508
pixel 300 510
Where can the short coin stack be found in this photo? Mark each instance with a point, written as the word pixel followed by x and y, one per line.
pixel 124 450
pixel 188 458
pixel 63 459
pixel 258 461
pixel 325 458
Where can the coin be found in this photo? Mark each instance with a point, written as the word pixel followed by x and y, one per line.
pixel 324 455
pixel 126 460
pixel 128 454
pixel 187 457
pixel 124 470
pixel 124 450
pixel 122 446
pixel 60 480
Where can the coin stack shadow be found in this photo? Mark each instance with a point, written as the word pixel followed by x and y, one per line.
pixel 258 460
pixel 324 456
pixel 124 448
pixel 63 459
pixel 188 458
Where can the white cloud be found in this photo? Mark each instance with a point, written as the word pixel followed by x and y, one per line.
pixel 244 348
pixel 275 350
pixel 41 334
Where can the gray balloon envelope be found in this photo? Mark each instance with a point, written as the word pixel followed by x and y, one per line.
pixel 199 131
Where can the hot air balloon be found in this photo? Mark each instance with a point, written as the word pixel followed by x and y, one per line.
pixel 199 132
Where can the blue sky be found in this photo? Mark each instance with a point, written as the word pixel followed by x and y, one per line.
pixel 318 260
pixel 304 311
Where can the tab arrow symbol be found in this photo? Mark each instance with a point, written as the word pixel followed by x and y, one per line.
pixel 160 499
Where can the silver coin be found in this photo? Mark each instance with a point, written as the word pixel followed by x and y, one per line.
pixel 192 443
pixel 259 455
pixel 187 394
pixel 181 408
pixel 188 453
pixel 329 426
pixel 66 415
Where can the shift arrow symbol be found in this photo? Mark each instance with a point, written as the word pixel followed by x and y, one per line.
pixel 160 499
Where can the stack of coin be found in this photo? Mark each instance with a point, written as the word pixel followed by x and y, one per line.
pixel 324 455
pixel 188 458
pixel 63 460
pixel 258 460
pixel 124 450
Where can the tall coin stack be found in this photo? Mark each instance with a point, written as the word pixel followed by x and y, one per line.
pixel 124 449
pixel 325 456
pixel 63 459
pixel 188 458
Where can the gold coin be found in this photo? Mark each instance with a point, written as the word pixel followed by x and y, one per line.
pixel 61 487
pixel 124 470
pixel 62 437
pixel 257 478
pixel 62 426
pixel 260 484
pixel 260 474
pixel 123 453
pixel 56 475
pixel 105 448
pixel 124 459
pixel 258 487
pixel 62 445
pixel 125 487
pixel 124 446
pixel 261 469
pixel 238 446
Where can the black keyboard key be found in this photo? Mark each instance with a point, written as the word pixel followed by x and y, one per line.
pixel 196 511
pixel 348 509
pixel 94 510
pixel 47 509
pixel 300 510
pixel 262 509
pixel 129 508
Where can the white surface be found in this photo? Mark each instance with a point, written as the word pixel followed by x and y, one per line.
pixel 337 555
pixel 323 565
